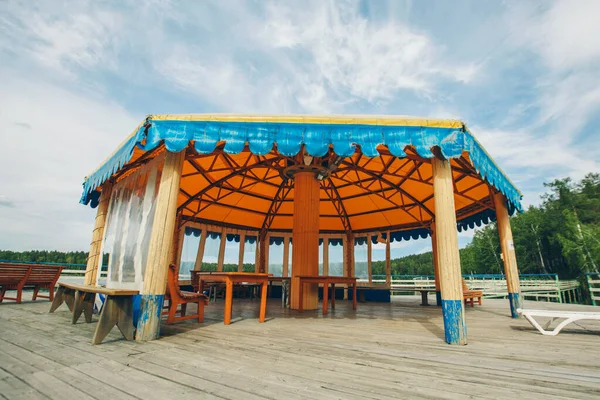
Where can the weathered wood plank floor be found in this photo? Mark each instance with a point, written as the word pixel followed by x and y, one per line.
pixel 382 351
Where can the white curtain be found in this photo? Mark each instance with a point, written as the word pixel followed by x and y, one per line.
pixel 129 225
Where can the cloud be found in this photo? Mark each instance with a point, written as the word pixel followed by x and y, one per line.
pixel 317 59
pixel 45 163
pixel 547 129
pixel 347 54
pixel 77 77
pixel 566 34
pixel 527 153
pixel 23 125
pixel 225 83
pixel 78 38
pixel 6 202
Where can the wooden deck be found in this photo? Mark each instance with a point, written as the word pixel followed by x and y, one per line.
pixel 381 351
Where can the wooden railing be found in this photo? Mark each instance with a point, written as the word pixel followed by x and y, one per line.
pixel 76 275
pixel 593 281
pixel 533 287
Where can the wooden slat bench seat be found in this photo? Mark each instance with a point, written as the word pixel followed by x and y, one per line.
pixel 117 309
pixel 17 276
pixel 469 295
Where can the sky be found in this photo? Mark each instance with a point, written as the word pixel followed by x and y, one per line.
pixel 76 77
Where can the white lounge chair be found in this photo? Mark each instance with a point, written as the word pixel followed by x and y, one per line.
pixel 568 316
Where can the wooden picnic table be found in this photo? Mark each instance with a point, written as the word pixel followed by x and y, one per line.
pixel 236 278
pixel 326 281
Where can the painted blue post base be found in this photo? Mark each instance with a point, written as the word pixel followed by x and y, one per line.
pixel 455 327
pixel 147 312
pixel 516 302
pixel 438 298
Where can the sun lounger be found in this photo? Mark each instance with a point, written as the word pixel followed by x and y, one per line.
pixel 568 316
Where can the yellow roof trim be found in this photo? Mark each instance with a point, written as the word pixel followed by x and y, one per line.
pixel 381 120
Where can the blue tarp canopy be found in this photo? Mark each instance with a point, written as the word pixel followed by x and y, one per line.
pixel 355 140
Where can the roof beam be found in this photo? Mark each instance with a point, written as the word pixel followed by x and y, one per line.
pixel 337 202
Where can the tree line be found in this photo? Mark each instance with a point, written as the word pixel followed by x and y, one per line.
pixel 560 236
pixel 45 256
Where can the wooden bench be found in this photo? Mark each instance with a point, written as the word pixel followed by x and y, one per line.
pixel 568 316
pixel 469 295
pixel 35 276
pixel 176 297
pixel 414 288
pixel 117 308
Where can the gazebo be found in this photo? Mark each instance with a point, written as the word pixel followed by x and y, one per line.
pixel 313 182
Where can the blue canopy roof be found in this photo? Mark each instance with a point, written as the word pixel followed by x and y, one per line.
pixel 317 134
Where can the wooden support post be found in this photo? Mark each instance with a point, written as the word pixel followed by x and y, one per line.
pixel 388 261
pixel 267 250
pixel 325 256
pixel 161 240
pixel 180 239
pixel 286 257
pixel 305 257
pixel 222 245
pixel 263 247
pixel 349 250
pixel 242 246
pixel 508 255
pixel 344 256
pixel 175 250
pixel 200 255
pixel 436 268
pixel 369 259
pixel 348 259
pixel 453 309
pixel 95 257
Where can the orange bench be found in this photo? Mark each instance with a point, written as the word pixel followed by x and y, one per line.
pixel 18 276
pixel 469 295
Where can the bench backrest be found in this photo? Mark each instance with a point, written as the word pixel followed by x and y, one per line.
pixel 464 285
pixel 44 274
pixel 195 280
pixel 173 282
pixel 13 273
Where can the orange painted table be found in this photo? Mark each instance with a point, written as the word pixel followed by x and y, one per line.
pixel 326 281
pixel 236 278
